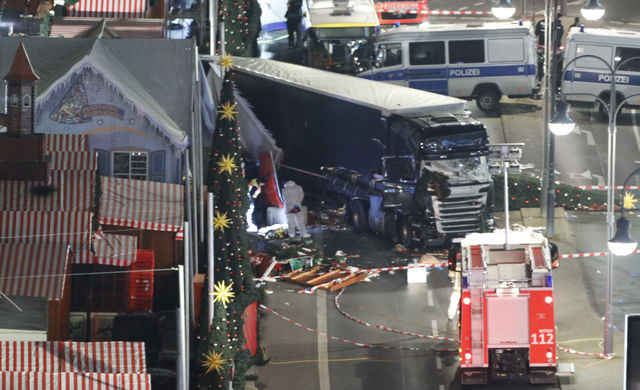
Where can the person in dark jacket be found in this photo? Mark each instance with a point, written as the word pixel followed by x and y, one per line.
pixel 294 18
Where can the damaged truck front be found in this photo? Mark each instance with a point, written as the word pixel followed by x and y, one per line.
pixel 407 163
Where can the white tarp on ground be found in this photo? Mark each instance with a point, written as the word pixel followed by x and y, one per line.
pixel 389 99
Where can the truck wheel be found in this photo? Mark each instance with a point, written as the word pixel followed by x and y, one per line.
pixel 405 232
pixel 359 218
pixel 488 99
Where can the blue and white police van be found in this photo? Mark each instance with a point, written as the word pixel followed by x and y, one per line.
pixel 481 61
pixel 588 77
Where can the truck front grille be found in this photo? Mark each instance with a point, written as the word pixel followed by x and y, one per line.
pixel 462 211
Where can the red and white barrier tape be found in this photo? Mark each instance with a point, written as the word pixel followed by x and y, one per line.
pixel 605 187
pixel 590 254
pixel 418 265
pixel 600 355
pixel 441 12
pixel 359 321
pixel 357 344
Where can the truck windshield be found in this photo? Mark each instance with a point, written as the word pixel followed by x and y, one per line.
pixel 462 169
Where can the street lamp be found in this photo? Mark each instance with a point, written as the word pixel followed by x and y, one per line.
pixel 592 10
pixel 622 244
pixel 503 10
pixel 612 112
pixel 561 124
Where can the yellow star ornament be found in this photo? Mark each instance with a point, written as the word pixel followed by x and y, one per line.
pixel 228 111
pixel 629 201
pixel 221 221
pixel 226 61
pixel 226 163
pixel 213 361
pixel 222 292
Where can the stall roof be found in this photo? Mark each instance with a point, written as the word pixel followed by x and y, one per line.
pixel 114 249
pixel 85 27
pixel 70 191
pixel 157 76
pixel 51 227
pixel 389 99
pixel 33 270
pixel 111 357
pixel 145 205
pixel 74 380
pixel 66 142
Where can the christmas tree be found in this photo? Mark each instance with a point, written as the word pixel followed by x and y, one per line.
pixel 241 20
pixel 221 347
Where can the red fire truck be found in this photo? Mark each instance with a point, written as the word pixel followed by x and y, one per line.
pixel 403 12
pixel 506 307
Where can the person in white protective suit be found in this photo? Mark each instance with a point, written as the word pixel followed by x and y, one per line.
pixel 293 196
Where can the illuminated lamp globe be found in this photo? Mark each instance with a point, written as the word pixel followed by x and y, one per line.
pixel 622 244
pixel 561 124
pixel 593 10
pixel 504 9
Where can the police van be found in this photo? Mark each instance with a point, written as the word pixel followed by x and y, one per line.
pixel 588 77
pixel 473 61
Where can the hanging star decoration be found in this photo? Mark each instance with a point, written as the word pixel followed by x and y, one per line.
pixel 221 221
pixel 629 201
pixel 222 292
pixel 213 361
pixel 226 163
pixel 228 111
pixel 226 61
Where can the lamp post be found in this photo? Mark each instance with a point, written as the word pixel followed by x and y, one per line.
pixel 561 122
pixel 622 244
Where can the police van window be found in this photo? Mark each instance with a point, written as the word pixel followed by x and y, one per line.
pixel 426 53
pixel 604 52
pixel 392 53
pixel 505 50
pixel 623 53
pixel 466 52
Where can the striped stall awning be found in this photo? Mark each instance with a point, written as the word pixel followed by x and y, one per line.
pixel 36 227
pixel 109 8
pixel 33 270
pixel 110 357
pixel 70 191
pixel 73 381
pixel 73 161
pixel 145 205
pixel 114 249
pixel 66 142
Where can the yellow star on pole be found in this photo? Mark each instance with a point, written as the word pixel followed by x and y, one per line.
pixel 213 361
pixel 221 221
pixel 222 292
pixel 629 201
pixel 228 111
pixel 226 163
pixel 226 61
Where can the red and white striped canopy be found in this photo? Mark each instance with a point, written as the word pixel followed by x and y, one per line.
pixel 145 205
pixel 36 227
pixel 33 270
pixel 74 191
pixel 73 381
pixel 114 249
pixel 111 357
pixel 109 8
pixel 63 227
pixel 66 142
pixel 73 161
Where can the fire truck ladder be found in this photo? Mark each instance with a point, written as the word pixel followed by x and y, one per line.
pixel 476 288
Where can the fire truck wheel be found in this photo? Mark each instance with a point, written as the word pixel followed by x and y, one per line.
pixel 359 218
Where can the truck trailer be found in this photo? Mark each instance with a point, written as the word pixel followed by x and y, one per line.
pixel 506 318
pixel 408 163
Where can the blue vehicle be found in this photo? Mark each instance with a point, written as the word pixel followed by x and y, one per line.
pixel 469 61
